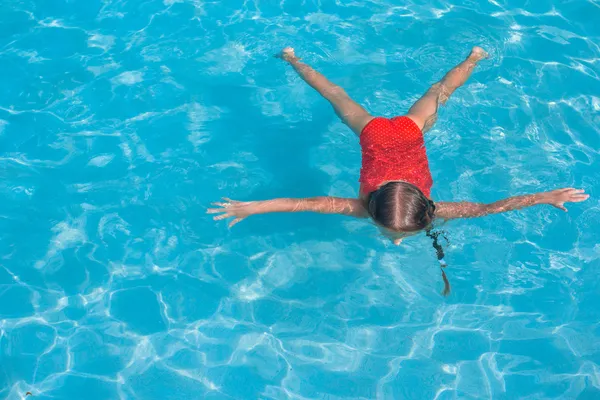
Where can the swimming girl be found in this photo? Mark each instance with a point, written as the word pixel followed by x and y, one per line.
pixel 395 178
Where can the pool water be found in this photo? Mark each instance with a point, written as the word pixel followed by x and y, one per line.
pixel 121 121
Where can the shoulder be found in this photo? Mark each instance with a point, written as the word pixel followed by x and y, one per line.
pixel 446 210
pixel 462 209
pixel 359 207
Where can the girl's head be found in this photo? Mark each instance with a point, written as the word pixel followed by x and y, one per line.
pixel 401 209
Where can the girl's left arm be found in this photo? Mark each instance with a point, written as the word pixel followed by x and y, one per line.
pixel 556 198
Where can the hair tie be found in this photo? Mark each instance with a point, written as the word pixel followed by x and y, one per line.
pixel 430 209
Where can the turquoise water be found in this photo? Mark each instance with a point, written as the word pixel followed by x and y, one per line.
pixel 120 121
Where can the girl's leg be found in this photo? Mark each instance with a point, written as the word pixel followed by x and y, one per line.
pixel 424 111
pixel 350 112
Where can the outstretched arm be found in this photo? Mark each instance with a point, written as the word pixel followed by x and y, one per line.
pixel 556 198
pixel 238 210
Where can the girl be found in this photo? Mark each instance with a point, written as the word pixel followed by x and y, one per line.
pixel 395 177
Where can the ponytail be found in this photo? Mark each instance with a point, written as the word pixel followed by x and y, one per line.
pixel 440 256
pixel 402 207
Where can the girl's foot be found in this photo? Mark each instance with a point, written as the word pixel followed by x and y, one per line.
pixel 287 54
pixel 477 54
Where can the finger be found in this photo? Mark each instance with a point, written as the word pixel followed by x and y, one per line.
pixel 575 196
pixel 224 205
pixel 214 210
pixel 580 198
pixel 229 200
pixel 220 217
pixel 574 191
pixel 235 221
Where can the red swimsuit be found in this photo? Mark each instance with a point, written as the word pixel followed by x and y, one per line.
pixel 393 150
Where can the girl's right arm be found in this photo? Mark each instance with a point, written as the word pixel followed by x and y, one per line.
pixel 238 210
pixel 556 198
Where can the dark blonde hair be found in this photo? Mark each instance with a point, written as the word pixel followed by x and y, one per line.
pixel 402 207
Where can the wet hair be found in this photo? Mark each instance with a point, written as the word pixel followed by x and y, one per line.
pixel 402 207
pixel 439 251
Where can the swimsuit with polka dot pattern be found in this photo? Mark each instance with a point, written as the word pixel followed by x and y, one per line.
pixel 394 150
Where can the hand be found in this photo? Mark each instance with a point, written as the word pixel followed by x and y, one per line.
pixel 288 55
pixel 559 197
pixel 232 209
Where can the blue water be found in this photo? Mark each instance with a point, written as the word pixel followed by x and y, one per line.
pixel 120 121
